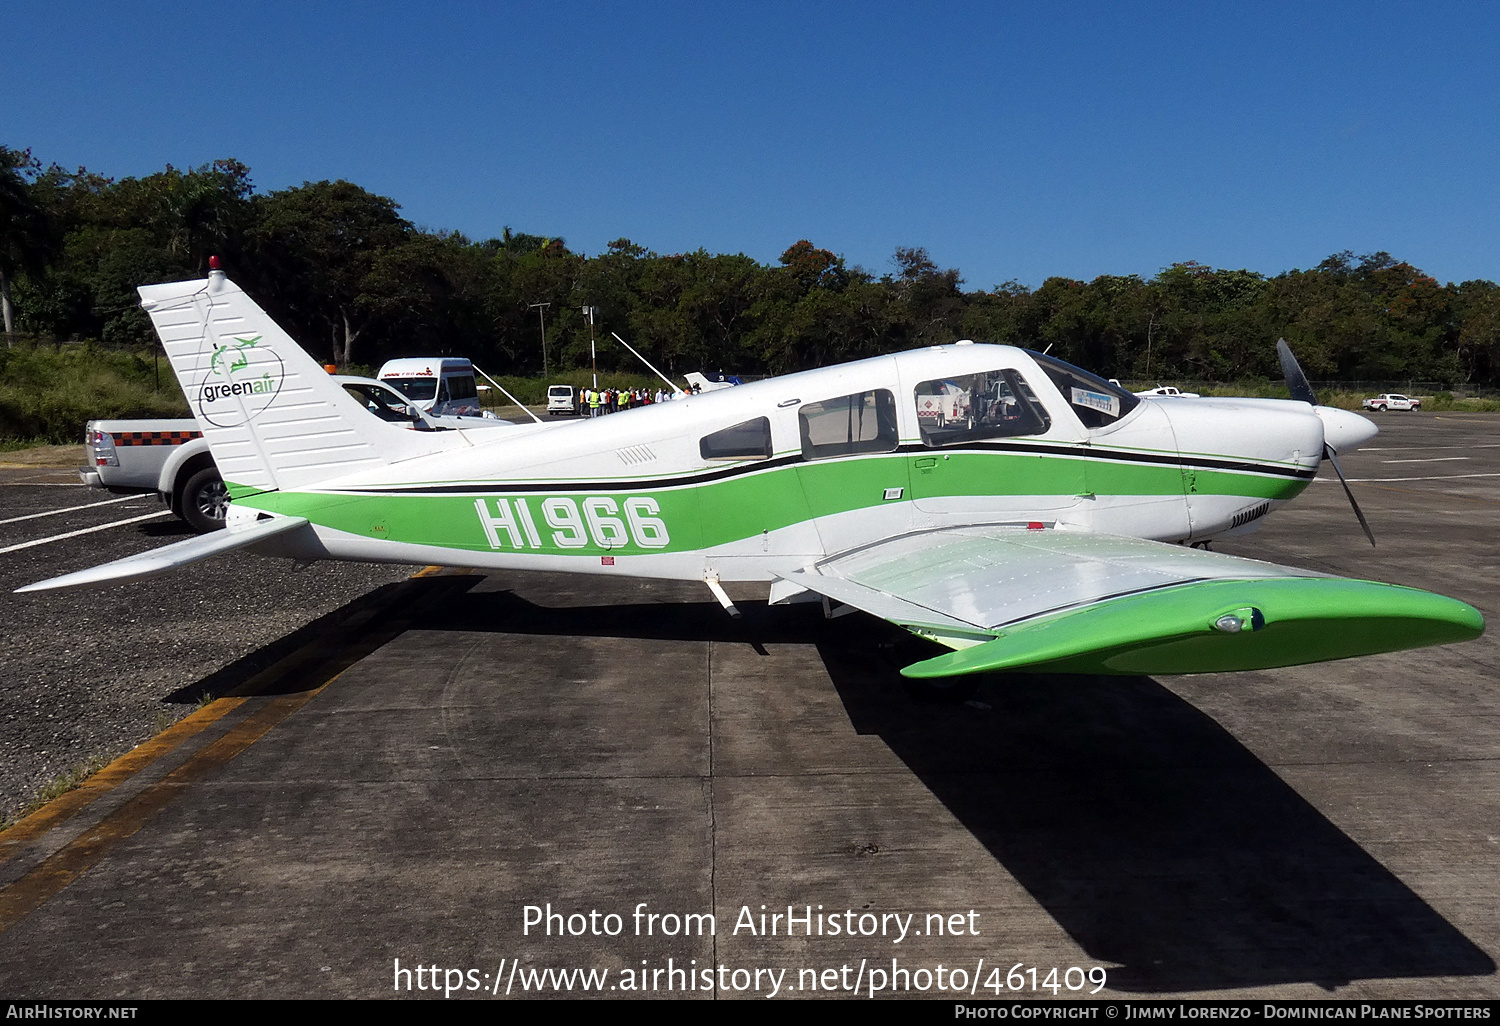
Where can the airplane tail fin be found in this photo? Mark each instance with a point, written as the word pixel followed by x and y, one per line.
pixel 273 418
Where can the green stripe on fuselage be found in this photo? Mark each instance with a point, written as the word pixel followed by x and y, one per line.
pixel 728 509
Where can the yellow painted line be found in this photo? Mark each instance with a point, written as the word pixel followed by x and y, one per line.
pixel 68 863
pixel 66 806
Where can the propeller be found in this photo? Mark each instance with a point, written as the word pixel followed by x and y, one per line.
pixel 1297 385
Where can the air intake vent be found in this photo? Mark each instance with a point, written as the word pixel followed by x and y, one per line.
pixel 1241 519
pixel 635 454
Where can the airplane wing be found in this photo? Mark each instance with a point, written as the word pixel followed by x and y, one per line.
pixel 169 557
pixel 1010 597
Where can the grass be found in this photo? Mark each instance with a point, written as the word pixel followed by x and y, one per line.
pixel 76 775
pixel 48 393
pixel 58 786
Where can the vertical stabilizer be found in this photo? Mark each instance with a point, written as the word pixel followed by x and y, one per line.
pixel 273 418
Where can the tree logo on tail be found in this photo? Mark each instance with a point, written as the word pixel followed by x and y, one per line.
pixel 243 378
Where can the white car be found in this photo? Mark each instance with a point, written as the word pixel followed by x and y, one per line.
pixel 1163 390
pixel 1392 401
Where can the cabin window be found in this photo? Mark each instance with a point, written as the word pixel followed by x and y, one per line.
pixel 970 407
pixel 461 387
pixel 748 441
pixel 1097 402
pixel 851 424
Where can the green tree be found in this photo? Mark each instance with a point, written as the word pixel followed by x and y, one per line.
pixel 318 243
pixel 26 234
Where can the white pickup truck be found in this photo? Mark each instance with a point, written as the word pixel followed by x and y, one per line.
pixel 170 457
pixel 1392 401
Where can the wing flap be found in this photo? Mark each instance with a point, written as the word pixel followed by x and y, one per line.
pixel 169 557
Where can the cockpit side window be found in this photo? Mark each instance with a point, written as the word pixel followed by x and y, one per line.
pixel 861 423
pixel 1097 402
pixel 750 440
pixel 970 407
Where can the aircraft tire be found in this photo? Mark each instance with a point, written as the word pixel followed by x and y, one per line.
pixel 205 499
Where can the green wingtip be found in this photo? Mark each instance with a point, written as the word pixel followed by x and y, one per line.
pixel 1178 630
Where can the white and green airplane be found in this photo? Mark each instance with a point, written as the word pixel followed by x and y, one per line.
pixel 1020 511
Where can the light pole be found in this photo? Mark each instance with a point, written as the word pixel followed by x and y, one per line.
pixel 591 312
pixel 541 313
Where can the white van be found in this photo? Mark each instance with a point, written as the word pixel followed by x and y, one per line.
pixel 441 386
pixel 562 400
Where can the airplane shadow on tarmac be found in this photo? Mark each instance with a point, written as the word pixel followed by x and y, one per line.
pixel 1144 828
pixel 1153 837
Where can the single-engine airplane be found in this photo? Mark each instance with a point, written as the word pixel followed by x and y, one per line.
pixel 1020 511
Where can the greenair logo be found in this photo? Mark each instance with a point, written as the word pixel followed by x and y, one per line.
pixel 227 359
pixel 243 377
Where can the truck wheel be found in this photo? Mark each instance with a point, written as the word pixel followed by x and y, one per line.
pixel 205 500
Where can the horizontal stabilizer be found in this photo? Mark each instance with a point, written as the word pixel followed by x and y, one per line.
pixel 1218 626
pixel 169 557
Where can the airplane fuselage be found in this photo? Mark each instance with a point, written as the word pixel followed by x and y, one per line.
pixel 743 482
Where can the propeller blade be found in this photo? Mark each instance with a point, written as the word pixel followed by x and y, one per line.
pixel 1331 457
pixel 1296 381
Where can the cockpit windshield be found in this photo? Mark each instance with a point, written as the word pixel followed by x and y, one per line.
pixel 1097 402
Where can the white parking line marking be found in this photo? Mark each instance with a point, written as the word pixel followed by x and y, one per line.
pixel 86 530
pixel 68 509
pixel 1446 477
pixel 1429 459
pixel 1413 448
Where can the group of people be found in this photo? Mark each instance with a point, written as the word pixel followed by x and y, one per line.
pixel 597 402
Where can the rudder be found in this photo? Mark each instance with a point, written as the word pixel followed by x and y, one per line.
pixel 272 417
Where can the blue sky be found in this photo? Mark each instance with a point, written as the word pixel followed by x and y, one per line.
pixel 1012 141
